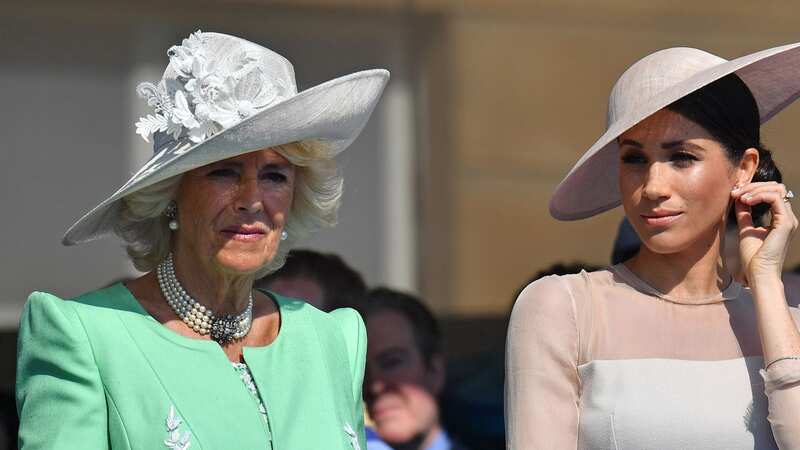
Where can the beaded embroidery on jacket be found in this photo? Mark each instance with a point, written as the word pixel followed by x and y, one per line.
pixel 247 379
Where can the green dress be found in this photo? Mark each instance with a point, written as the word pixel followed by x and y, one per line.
pixel 99 372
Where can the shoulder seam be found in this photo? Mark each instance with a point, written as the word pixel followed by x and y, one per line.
pixel 577 328
pixel 116 411
pixel 91 346
pixel 351 321
pixel 574 314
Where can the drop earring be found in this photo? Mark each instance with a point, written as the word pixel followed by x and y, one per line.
pixel 171 212
pixel 284 235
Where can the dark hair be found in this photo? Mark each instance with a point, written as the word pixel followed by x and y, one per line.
pixel 341 285
pixel 728 111
pixel 424 326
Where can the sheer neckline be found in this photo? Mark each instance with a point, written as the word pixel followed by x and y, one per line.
pixel 731 291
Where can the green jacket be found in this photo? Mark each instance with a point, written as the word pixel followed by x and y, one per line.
pixel 98 372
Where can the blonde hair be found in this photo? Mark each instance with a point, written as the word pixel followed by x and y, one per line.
pixel 317 194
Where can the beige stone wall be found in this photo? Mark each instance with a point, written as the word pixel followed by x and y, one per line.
pixel 510 93
pixel 522 96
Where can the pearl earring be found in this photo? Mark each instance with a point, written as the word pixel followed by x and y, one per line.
pixel 284 235
pixel 172 213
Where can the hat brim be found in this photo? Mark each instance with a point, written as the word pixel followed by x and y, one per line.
pixel 334 113
pixel 591 186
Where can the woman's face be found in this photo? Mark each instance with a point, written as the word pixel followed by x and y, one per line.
pixel 231 213
pixel 675 181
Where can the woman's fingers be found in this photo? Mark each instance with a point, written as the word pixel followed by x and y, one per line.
pixel 774 194
pixel 753 188
pixel 764 248
pixel 743 216
pixel 782 214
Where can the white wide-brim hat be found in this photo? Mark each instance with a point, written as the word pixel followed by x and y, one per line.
pixel 222 96
pixel 652 83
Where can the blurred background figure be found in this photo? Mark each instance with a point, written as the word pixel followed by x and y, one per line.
pixel 321 279
pixel 626 244
pixel 405 372
pixel 374 441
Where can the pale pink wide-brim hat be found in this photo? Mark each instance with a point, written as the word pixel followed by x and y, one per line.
pixel 222 96
pixel 652 83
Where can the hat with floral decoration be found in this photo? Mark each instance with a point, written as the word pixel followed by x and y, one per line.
pixel 222 96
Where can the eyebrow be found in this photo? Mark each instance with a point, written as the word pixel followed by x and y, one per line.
pixel 683 144
pixel 391 351
pixel 630 142
pixel 671 145
pixel 268 166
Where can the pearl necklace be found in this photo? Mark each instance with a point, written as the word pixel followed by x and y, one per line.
pixel 223 329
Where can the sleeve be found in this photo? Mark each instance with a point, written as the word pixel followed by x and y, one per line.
pixel 60 398
pixel 355 336
pixel 542 385
pixel 782 386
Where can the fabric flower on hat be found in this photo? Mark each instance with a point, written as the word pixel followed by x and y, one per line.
pixel 241 98
pixel 182 57
pixel 208 96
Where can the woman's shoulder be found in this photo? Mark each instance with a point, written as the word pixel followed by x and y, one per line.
pixel 112 297
pixel 96 298
pixel 560 288
pixel 349 321
pixel 340 324
pixel 345 318
pixel 344 322
pixel 48 318
pixel 559 300
pixel 94 307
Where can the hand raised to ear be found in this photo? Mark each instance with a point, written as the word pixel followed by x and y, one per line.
pixel 763 249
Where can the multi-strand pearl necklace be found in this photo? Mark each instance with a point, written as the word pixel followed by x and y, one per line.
pixel 223 329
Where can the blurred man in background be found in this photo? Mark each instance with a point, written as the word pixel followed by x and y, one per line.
pixel 405 372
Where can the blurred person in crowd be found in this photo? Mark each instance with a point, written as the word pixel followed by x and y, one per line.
pixel 8 421
pixel 626 244
pixel 374 441
pixel 190 355
pixel 791 285
pixel 405 372
pixel 322 279
pixel 667 349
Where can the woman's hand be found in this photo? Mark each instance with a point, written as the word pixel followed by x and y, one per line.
pixel 763 249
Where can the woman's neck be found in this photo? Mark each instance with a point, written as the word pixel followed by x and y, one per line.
pixel 223 293
pixel 695 273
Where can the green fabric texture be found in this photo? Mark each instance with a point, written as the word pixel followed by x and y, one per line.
pixel 99 372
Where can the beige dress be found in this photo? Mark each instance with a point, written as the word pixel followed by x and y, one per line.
pixel 601 360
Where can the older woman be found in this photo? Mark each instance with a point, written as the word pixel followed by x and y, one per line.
pixel 189 355
pixel 666 350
